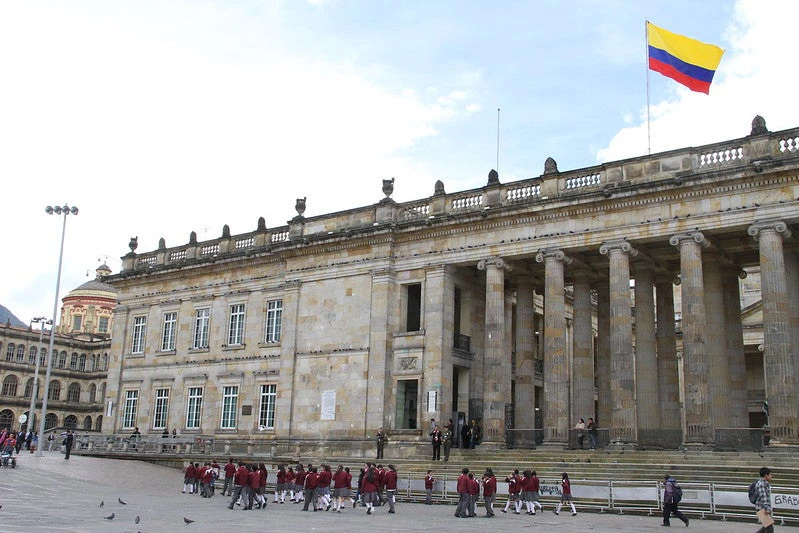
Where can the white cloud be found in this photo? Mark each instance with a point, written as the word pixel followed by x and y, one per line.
pixel 754 78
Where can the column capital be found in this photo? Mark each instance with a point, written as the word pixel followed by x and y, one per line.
pixel 776 226
pixel 692 236
pixel 550 253
pixel 497 262
pixel 620 244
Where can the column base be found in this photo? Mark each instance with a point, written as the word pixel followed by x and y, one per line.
pixel 552 445
pixel 621 446
pixel 689 447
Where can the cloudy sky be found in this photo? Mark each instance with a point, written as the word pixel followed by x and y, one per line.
pixel 158 118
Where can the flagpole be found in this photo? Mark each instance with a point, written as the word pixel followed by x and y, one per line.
pixel 497 140
pixel 646 64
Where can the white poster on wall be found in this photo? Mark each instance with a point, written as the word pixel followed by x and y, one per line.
pixel 432 397
pixel 328 411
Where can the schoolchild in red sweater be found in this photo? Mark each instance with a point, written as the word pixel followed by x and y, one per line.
pixel 489 491
pixel 290 478
pixel 391 487
pixel 299 484
pixel 240 482
pixel 514 488
pixel 311 483
pixel 536 488
pixel 230 471
pixel 474 495
pixel 463 494
pixel 429 480
pixel 369 487
pixel 341 486
pixel 188 478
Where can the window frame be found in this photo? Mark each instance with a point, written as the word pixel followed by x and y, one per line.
pixel 161 408
pixel 194 407
pixel 169 331
pixel 202 323
pixel 267 406
pixel 138 334
pixel 230 405
pixel 273 327
pixel 130 407
pixel 237 314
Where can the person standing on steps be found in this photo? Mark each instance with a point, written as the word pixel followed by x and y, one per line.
pixel 446 442
pixel 592 434
pixel 435 438
pixel 380 440
pixel 580 427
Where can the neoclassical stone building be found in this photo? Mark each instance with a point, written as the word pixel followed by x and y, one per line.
pixel 78 374
pixel 552 295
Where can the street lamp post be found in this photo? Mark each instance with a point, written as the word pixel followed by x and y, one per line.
pixel 35 389
pixel 65 210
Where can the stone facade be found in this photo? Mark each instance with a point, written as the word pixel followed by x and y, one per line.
pixel 501 303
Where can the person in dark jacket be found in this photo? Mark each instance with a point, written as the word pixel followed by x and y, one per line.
pixel 669 505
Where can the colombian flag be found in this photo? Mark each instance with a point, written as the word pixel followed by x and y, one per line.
pixel 682 59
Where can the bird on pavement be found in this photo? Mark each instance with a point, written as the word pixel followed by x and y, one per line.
pixel 101 504
pixel 187 520
pixel 110 517
pixel 138 519
pixel 120 501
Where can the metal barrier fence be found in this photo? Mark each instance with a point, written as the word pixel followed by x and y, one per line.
pixel 704 500
pixel 198 444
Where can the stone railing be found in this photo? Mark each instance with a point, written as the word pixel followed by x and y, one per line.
pixel 584 185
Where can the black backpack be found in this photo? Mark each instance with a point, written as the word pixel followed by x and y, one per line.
pixel 677 493
pixel 753 492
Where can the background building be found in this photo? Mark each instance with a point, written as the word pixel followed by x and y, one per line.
pixel 80 364
pixel 611 292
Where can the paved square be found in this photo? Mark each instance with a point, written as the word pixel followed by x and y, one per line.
pixel 51 494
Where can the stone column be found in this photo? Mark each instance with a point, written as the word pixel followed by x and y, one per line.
pixel 582 375
pixel 777 353
pixel 525 355
pixel 715 340
pixel 379 412
pixel 496 380
pixel 646 370
pixel 668 369
pixel 736 362
pixel 284 403
pixel 604 404
pixel 697 427
pixel 439 336
pixel 556 363
pixel 624 423
pixel 792 280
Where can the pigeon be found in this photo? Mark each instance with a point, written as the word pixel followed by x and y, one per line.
pixel 187 520
pixel 101 504
pixel 138 519
pixel 110 517
pixel 120 501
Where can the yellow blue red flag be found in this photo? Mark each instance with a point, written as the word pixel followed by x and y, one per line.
pixel 685 60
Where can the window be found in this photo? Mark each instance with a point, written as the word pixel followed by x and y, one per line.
pixel 102 326
pixel 50 421
pixel 73 361
pixel 266 414
pixel 98 423
pixel 71 422
pixel 82 362
pixel 92 393
pixel 29 388
pixel 413 311
pixel 201 319
pixel 10 386
pixel 21 353
pixel 194 407
pixel 235 334
pixel 161 408
pixel 73 393
pixel 105 362
pixel 87 423
pixel 94 362
pixel 77 321
pixel 32 355
pixel 12 349
pixel 139 329
pixel 274 317
pixel 6 419
pixel 54 393
pixel 42 357
pixel 230 399
pixel 131 403
pixel 170 327
pixel 62 360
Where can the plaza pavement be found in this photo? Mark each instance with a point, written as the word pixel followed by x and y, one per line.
pixel 49 494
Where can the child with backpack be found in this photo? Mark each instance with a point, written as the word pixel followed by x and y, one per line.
pixel 760 496
pixel 672 495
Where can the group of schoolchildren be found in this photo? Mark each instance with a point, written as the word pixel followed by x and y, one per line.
pixel 523 493
pixel 246 484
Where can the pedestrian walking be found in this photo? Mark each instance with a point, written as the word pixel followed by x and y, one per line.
pixel 672 494
pixel 489 491
pixel 463 494
pixel 566 494
pixel 391 487
pixel 763 501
